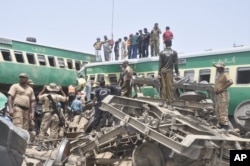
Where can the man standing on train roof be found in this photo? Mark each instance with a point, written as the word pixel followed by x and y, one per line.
pixel 21 102
pixel 107 48
pixel 146 42
pixel 127 78
pixel 155 40
pixel 222 82
pixel 168 60
pixel 168 36
pixel 124 48
pixel 98 46
pixel 117 48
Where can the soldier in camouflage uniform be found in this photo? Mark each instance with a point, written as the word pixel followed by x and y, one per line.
pixel 50 119
pixel 222 82
pixel 127 80
pixel 21 102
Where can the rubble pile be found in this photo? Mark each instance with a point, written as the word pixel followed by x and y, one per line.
pixel 146 134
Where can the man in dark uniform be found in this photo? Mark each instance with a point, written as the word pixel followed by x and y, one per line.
pixel 117 49
pixel 114 88
pixel 146 41
pixel 168 59
pixel 99 116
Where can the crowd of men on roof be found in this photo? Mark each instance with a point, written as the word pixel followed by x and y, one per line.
pixel 134 46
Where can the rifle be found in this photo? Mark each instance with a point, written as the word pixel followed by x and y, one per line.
pixel 54 107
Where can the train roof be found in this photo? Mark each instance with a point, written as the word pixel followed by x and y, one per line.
pixel 182 55
pixel 216 52
pixel 7 41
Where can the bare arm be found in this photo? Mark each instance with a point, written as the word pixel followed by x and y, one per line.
pixel 10 104
pixel 32 112
pixel 42 91
pixel 62 92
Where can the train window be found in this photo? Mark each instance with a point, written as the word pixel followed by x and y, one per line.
pixel 150 75
pixel 141 75
pixel 61 62
pixel 19 57
pixel 41 60
pixel 51 61
pixel 77 64
pixel 100 77
pixel 69 63
pixel 242 75
pixel 31 58
pixel 205 75
pixel 112 77
pixel 92 77
pixel 189 74
pixel 6 55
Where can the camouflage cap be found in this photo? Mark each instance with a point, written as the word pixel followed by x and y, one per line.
pixel 52 87
pixel 23 75
pixel 220 64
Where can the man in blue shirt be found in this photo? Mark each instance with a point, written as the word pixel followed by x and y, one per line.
pixel 76 107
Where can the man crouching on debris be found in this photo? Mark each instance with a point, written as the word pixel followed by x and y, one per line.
pixel 222 82
pixel 50 113
pixel 100 116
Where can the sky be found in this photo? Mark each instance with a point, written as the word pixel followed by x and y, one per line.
pixel 197 25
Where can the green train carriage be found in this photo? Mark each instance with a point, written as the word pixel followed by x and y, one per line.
pixel 43 64
pixel 197 66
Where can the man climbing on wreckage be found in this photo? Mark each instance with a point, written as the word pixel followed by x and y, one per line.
pixel 100 116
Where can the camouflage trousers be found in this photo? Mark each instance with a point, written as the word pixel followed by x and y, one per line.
pixel 167 86
pixel 221 107
pixel 155 45
pixel 127 88
pixel 21 118
pixel 52 122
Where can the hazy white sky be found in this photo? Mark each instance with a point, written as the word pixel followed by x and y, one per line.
pixel 197 24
